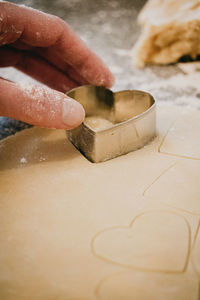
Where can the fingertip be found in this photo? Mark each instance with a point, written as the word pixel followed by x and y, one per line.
pixel 39 105
pixel 73 113
pixel 111 81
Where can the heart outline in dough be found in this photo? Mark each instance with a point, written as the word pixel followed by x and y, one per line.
pixel 113 245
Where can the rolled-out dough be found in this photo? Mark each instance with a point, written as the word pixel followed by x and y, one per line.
pixel 122 229
pixel 183 196
pixel 179 140
pixel 170 30
pixel 128 245
pixel 130 286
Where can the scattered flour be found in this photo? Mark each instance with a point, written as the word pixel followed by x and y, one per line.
pixel 42 99
pixel 42 159
pixel 23 160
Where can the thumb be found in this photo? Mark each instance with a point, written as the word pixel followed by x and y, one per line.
pixel 40 106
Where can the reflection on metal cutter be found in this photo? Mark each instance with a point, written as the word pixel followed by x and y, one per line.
pixel 132 112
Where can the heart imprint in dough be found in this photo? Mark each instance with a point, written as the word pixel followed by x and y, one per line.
pixel 179 186
pixel 182 138
pixel 147 286
pixel 196 252
pixel 155 241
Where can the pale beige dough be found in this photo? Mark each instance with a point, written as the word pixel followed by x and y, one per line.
pixel 56 209
pixel 196 252
pixel 179 185
pixel 180 141
pixel 130 286
pixel 170 30
pixel 136 246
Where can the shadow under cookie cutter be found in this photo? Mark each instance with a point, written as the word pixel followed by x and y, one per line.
pixel 129 117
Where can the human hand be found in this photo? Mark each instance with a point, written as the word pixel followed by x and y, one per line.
pixel 46 48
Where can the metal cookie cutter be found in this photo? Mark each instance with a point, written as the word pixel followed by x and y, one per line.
pixel 115 124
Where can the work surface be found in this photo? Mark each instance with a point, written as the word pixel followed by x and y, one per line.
pixel 110 29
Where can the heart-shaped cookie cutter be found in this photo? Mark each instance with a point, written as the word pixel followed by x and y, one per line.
pixel 131 122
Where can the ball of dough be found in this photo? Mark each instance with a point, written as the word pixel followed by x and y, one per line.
pixel 170 30
pixel 98 123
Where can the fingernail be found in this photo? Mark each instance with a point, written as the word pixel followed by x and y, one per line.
pixel 73 113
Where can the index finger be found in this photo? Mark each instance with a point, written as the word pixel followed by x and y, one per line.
pixel 39 29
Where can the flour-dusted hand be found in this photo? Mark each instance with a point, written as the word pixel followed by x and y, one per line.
pixel 46 48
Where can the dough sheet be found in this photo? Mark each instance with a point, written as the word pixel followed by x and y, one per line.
pixel 126 229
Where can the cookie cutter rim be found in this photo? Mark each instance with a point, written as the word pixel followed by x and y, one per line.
pixel 85 138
